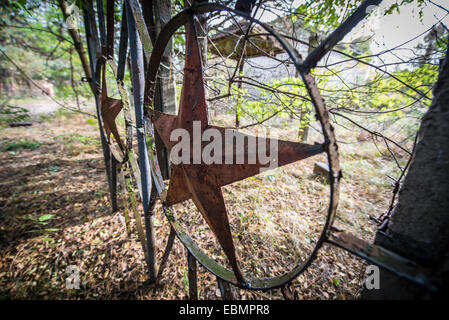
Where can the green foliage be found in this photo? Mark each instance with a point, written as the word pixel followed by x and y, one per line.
pixel 329 14
pixel 34 36
pixel 91 121
pixel 441 43
pixel 185 281
pixel 17 9
pixel 385 93
pixel 179 40
pixel 389 100
pixel 18 145
pixel 42 219
pixel 39 226
pixel 9 113
pixel 284 98
pixel 72 138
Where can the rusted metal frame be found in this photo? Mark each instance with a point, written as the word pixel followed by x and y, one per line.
pixel 122 54
pixel 162 152
pixel 136 13
pixel 225 290
pixel 158 181
pixel 91 37
pixel 93 51
pixel 137 79
pixel 123 47
pixel 117 151
pixel 101 25
pixel 134 167
pixel 107 157
pixel 136 212
pixel 210 264
pixel 193 277
pixel 148 213
pixel 111 166
pixel 124 192
pixel 225 274
pixel 335 175
pixel 386 259
pixel 110 4
pixel 390 261
pixel 113 186
pixel 331 150
pixel 120 75
pixel 99 85
pixel 131 168
pixel 168 247
pixel 116 105
pixel 157 187
pixel 184 183
pixel 147 7
pixel 153 20
pixel 132 161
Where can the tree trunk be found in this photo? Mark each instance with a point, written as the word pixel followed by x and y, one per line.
pixel 76 39
pixel 303 133
pixel 418 227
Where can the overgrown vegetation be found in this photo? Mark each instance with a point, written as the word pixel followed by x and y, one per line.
pixel 10 113
pixel 53 195
pixel 18 145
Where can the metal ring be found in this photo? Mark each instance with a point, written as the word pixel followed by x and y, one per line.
pixel 331 149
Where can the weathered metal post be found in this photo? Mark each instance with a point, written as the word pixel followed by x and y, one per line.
pixel 94 52
pixel 225 289
pixel 193 286
pixel 138 83
pixel 165 94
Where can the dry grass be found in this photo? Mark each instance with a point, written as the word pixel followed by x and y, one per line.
pixel 275 219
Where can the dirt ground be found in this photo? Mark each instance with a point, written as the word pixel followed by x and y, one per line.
pixel 55 212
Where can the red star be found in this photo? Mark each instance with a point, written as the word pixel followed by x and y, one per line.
pixel 202 182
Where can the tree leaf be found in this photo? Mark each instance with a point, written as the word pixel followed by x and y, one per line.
pixel 46 217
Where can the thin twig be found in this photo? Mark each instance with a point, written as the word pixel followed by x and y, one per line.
pixel 43 91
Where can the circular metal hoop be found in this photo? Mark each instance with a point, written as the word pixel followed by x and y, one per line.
pixel 330 145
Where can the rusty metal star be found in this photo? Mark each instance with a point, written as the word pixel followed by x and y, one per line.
pixel 202 182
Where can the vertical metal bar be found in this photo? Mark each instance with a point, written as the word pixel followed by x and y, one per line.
pixel 149 16
pixel 193 287
pixel 168 247
pixel 113 184
pixel 93 27
pixel 137 79
pixel 225 289
pixel 90 39
pixel 110 54
pixel 165 94
pixel 89 20
pixel 136 13
pixel 102 25
pixel 123 47
pixel 110 28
